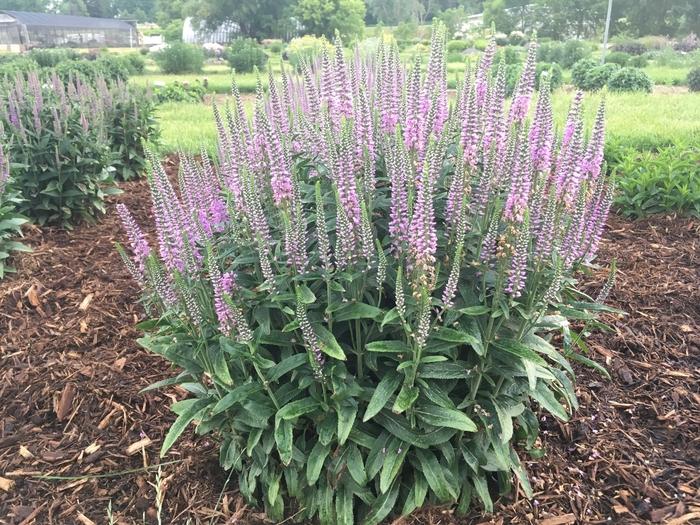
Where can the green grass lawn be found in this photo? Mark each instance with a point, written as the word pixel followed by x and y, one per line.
pixel 632 119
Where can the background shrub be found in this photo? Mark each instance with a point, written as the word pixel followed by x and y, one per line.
pixel 245 54
pixel 599 76
pixel 61 156
pixel 114 67
pixel 618 57
pixel 573 51
pixel 179 92
pixel 664 182
pixel 12 66
pixel 555 72
pixel 639 61
pixel 517 38
pixel 630 47
pixel 457 45
pixel 135 62
pixel 630 79
pixel 455 57
pixel 694 79
pixel 509 54
pixel 688 44
pixel 580 70
pixel 550 52
pixel 52 57
pixel 10 221
pixel 180 58
pixel 305 48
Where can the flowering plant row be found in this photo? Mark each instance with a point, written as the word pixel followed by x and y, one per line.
pixel 362 296
pixel 69 140
pixel 10 221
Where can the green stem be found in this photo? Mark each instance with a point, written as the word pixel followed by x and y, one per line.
pixel 261 376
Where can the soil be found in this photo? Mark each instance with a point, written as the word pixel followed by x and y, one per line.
pixel 79 442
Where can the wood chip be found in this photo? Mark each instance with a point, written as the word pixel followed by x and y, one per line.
pixel 25 452
pixel 65 405
pixel 84 305
pixel 135 448
pixel 82 518
pixel 33 296
pixel 566 519
pixel 6 484
pixel 684 519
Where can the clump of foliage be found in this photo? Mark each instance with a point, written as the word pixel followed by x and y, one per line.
pixel 457 45
pixel 509 55
pixel 245 54
pixel 363 300
pixel 305 48
pixel 693 79
pixel 618 57
pixel 667 181
pixel 598 77
pixel 52 57
pixel 554 71
pixel 179 92
pixel 631 47
pixel 565 54
pixel 630 79
pixel 58 144
pixel 639 61
pixel 13 66
pixel 581 69
pixel 129 120
pixel 10 221
pixel 687 44
pixel 180 58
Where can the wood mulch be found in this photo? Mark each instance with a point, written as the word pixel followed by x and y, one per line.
pixel 78 438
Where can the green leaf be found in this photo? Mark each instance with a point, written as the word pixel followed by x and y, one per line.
pixel 479 309
pixel 297 408
pixel 343 506
pixel 434 475
pixel 393 460
pixel 181 423
pixel 357 311
pixel 346 418
pixel 590 363
pixel 546 399
pixel 389 318
pixel 399 428
pixel 315 461
pixel 356 467
pixel 382 506
pixel 388 347
pixel 384 390
pixel 451 370
pixel 283 438
pixel 407 396
pixel 305 294
pixel 416 496
pixel 519 350
pixel 445 417
pixel 221 371
pixel 329 344
pixel 504 420
pixel 482 490
pixel 238 394
pixel 286 365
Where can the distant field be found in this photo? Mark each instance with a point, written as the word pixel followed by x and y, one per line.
pixel 632 119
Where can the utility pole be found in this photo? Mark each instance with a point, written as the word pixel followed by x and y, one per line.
pixel 607 30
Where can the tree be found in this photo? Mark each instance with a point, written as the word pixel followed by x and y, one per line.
pixel 36 6
pixel 168 10
pixel 256 18
pixel 393 12
pixel 495 13
pixel 563 18
pixel 73 7
pixel 325 17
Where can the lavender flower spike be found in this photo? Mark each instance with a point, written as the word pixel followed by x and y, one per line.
pixel 137 240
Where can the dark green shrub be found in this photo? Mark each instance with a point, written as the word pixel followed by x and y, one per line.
pixel 179 92
pixel 455 57
pixel 663 182
pixel 694 79
pixel 517 38
pixel 129 124
pixel 11 67
pixel 551 52
pixel 406 30
pixel 630 47
pixel 245 54
pixel 580 70
pixel 573 51
pixel 630 79
pixel 276 46
pixel 617 57
pixel 639 61
pixel 180 58
pixel 88 70
pixel 52 57
pixel 144 51
pixel 599 76
pixel 135 62
pixel 509 54
pixel 59 147
pixel 10 220
pixel 114 67
pixel 457 45
pixel 555 72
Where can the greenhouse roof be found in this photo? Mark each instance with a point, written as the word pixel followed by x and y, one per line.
pixel 77 22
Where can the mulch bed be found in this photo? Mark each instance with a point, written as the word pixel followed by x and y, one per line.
pixel 71 372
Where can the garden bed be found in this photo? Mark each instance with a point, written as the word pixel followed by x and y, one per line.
pixel 72 372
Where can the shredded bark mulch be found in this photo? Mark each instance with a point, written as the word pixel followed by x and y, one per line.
pixel 78 439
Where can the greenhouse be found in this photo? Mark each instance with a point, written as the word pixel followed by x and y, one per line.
pixel 21 30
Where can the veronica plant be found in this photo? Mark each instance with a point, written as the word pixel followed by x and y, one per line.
pixel 362 296
pixel 10 221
